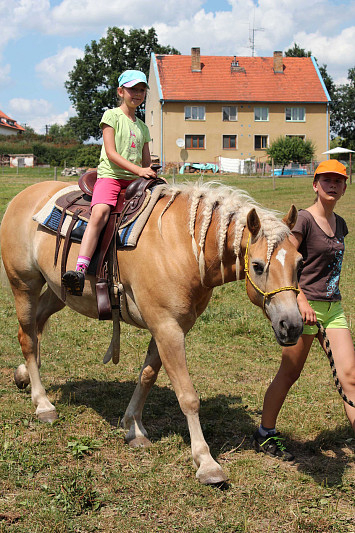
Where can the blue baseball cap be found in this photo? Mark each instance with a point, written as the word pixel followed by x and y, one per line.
pixel 130 78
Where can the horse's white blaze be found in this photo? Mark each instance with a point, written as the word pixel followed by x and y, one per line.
pixel 281 254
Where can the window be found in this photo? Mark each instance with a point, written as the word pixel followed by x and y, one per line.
pixel 261 114
pixel 194 142
pixel 194 112
pixel 295 114
pixel 260 142
pixel 303 137
pixel 229 142
pixel 229 113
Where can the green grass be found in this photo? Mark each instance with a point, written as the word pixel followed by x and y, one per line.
pixel 78 475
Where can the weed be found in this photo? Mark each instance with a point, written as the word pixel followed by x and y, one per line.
pixel 83 446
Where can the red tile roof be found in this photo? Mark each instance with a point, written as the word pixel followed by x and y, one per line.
pixel 255 81
pixel 3 122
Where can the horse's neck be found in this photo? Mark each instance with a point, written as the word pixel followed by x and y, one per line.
pixel 231 264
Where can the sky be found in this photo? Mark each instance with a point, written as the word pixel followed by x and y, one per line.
pixel 40 40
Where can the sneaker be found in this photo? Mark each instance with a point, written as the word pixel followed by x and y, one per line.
pixel 73 281
pixel 271 445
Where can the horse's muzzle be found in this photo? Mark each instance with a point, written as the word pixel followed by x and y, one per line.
pixel 288 332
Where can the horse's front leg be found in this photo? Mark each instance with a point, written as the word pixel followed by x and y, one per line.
pixel 170 340
pixel 132 420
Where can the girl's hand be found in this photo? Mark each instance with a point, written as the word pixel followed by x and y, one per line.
pixel 147 173
pixel 309 316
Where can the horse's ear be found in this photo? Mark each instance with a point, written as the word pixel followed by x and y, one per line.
pixel 253 222
pixel 291 217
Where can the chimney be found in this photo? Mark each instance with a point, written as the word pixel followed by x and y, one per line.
pixel 278 63
pixel 195 60
pixel 235 66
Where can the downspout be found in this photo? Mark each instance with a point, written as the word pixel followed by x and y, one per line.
pixel 328 126
pixel 161 133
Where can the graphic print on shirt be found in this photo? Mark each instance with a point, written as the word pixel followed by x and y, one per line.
pixel 333 280
pixel 133 136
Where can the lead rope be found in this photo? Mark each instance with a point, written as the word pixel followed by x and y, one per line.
pixel 332 365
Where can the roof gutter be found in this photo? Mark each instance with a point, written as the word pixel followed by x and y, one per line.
pixel 328 98
pixel 161 99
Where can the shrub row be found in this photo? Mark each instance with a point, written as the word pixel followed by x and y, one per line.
pixel 76 155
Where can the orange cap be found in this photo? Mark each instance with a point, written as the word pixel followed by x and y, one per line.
pixel 333 166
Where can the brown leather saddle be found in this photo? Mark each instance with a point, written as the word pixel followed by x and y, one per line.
pixel 77 205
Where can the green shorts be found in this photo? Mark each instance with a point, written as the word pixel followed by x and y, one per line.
pixel 329 314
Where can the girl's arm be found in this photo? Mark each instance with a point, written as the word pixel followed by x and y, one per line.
pixel 110 147
pixel 309 316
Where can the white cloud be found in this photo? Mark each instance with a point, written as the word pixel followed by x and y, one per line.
pixel 38 113
pixel 334 51
pixel 53 70
pixel 5 75
pixel 71 15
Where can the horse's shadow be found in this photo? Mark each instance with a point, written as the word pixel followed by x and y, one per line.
pixel 227 424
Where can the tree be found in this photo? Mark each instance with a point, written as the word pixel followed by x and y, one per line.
pixel 92 84
pixel 297 51
pixel 343 111
pixel 286 149
pixel 62 134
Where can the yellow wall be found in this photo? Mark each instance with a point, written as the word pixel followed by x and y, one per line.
pixel 175 126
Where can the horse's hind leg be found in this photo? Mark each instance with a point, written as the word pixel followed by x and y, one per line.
pixel 132 420
pixel 33 312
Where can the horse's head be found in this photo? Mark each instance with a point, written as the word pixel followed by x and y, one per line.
pixel 271 283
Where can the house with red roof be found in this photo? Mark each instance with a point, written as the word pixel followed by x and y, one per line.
pixel 200 108
pixel 9 126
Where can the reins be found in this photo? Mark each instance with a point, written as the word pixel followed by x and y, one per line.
pixel 248 278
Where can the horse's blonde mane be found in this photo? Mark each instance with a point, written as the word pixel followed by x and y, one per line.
pixel 230 204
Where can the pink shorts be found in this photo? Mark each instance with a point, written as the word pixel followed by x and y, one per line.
pixel 106 191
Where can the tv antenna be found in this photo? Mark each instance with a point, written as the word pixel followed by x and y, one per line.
pixel 252 32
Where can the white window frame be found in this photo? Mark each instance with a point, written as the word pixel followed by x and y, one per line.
pixel 195 112
pixel 267 142
pixel 226 110
pixel 294 112
pixel 188 147
pixel 261 109
pixel 230 147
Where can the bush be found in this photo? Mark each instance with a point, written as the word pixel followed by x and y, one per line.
pixel 88 156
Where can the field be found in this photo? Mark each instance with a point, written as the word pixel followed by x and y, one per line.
pixel 78 475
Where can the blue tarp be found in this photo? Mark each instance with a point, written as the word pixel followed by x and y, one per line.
pixel 199 166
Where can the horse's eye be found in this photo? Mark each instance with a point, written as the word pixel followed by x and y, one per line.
pixel 300 265
pixel 258 268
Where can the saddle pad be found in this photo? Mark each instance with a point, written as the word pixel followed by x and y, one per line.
pixel 49 216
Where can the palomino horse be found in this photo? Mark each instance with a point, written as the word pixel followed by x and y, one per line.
pixel 197 237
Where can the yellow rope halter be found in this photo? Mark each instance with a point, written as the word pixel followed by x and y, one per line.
pixel 247 277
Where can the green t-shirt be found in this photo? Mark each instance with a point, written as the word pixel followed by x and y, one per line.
pixel 130 138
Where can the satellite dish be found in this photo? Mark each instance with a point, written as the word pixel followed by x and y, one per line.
pixel 180 142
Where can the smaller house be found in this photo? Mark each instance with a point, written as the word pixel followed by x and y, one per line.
pixel 21 160
pixel 9 126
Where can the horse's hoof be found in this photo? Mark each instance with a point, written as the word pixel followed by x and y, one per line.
pixel 139 442
pixel 21 376
pixel 216 477
pixel 48 416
